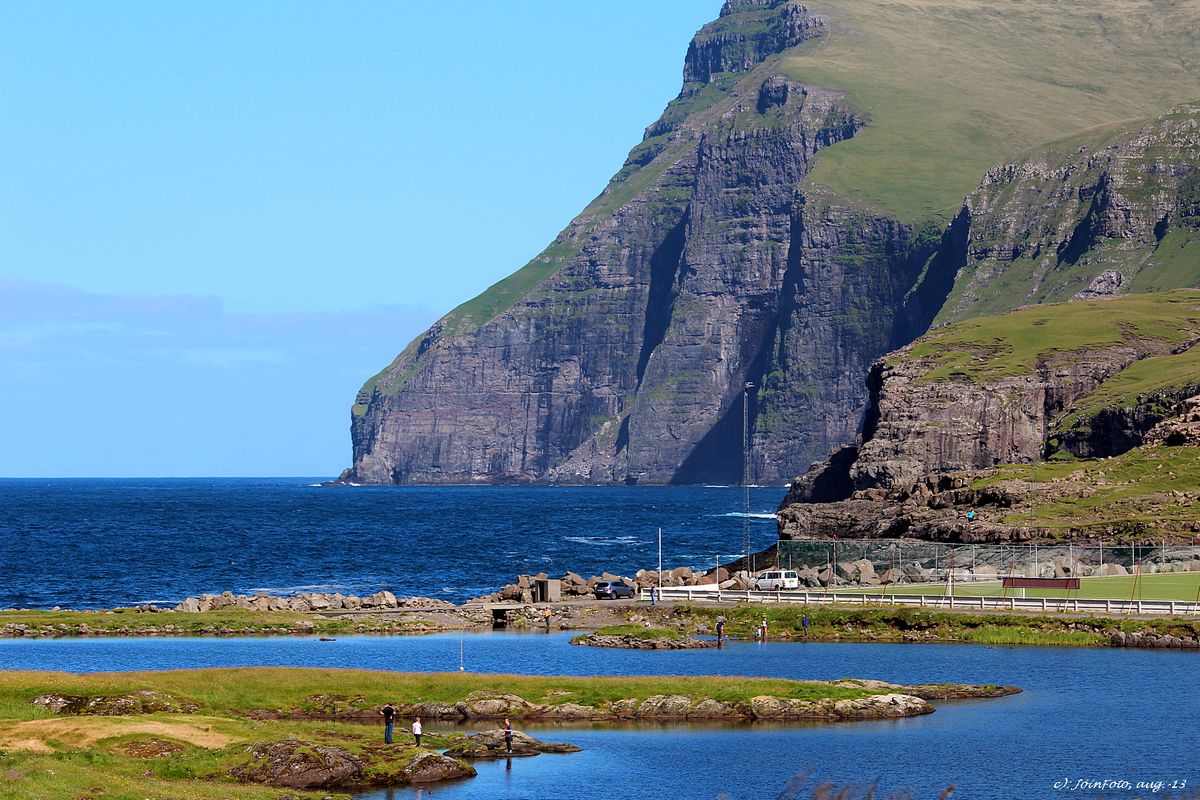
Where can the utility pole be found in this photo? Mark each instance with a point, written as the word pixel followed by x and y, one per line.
pixel 746 475
pixel 659 582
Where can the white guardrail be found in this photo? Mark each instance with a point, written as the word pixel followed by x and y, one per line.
pixel 709 594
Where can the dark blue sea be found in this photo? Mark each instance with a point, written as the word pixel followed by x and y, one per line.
pixel 84 543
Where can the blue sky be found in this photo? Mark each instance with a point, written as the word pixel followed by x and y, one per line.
pixel 217 219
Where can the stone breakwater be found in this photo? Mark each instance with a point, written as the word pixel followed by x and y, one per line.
pixel 308 602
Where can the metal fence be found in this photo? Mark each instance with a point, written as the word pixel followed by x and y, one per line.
pixel 710 593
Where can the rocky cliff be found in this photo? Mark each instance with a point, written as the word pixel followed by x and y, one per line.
pixel 713 260
pixel 1018 389
pixel 1098 216
pixel 620 354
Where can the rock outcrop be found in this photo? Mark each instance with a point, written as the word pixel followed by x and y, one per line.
pixel 1013 389
pixel 141 702
pixel 487 745
pixel 298 764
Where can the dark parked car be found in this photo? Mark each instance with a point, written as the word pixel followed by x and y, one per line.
pixel 610 590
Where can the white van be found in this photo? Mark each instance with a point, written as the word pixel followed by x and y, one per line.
pixel 779 579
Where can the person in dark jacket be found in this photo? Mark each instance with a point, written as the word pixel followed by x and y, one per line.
pixel 388 712
pixel 507 735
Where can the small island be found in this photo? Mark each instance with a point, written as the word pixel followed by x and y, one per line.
pixel 244 733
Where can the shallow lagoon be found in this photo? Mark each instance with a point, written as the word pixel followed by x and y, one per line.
pixel 1085 713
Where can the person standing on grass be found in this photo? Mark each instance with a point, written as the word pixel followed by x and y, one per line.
pixel 804 623
pixel 507 735
pixel 416 730
pixel 388 712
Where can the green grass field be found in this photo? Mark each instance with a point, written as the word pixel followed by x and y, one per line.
pixel 1182 586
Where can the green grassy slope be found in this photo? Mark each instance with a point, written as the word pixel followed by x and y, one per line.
pixel 954 87
pixel 1129 497
pixel 1012 344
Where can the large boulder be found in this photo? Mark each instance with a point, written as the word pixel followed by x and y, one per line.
pixel 808 577
pixel 494 705
pixel 299 765
pixel 891 576
pixel 429 767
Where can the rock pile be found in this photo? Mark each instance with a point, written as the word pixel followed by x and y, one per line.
pixel 307 602
pixel 575 585
pixel 1151 639
pixel 1181 430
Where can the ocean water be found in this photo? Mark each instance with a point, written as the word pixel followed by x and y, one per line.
pixel 1090 714
pixel 84 543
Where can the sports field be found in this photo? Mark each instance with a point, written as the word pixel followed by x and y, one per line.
pixel 1167 586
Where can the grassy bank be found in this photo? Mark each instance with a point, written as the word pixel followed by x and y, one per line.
pixel 241 690
pixel 181 756
pixel 219 622
pixel 917 625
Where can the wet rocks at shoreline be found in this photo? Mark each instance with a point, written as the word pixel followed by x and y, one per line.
pixel 629 641
pixel 1118 638
pixel 487 745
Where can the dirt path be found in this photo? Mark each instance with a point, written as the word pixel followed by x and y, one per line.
pixel 83 731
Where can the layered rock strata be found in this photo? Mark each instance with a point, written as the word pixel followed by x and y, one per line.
pixel 621 353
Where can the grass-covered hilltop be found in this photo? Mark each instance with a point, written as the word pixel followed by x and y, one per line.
pixel 250 733
pixel 1069 422
pixel 834 178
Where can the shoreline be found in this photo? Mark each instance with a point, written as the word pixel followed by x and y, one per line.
pixel 828 623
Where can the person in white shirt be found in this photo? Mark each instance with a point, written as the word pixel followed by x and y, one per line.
pixel 416 729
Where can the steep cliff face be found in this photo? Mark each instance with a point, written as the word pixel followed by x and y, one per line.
pixel 1098 217
pixel 620 355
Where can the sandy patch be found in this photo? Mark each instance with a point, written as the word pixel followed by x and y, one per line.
pixel 84 731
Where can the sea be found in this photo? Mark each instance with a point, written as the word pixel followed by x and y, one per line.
pixel 96 543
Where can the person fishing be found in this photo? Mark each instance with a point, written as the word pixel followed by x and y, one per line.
pixel 388 712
